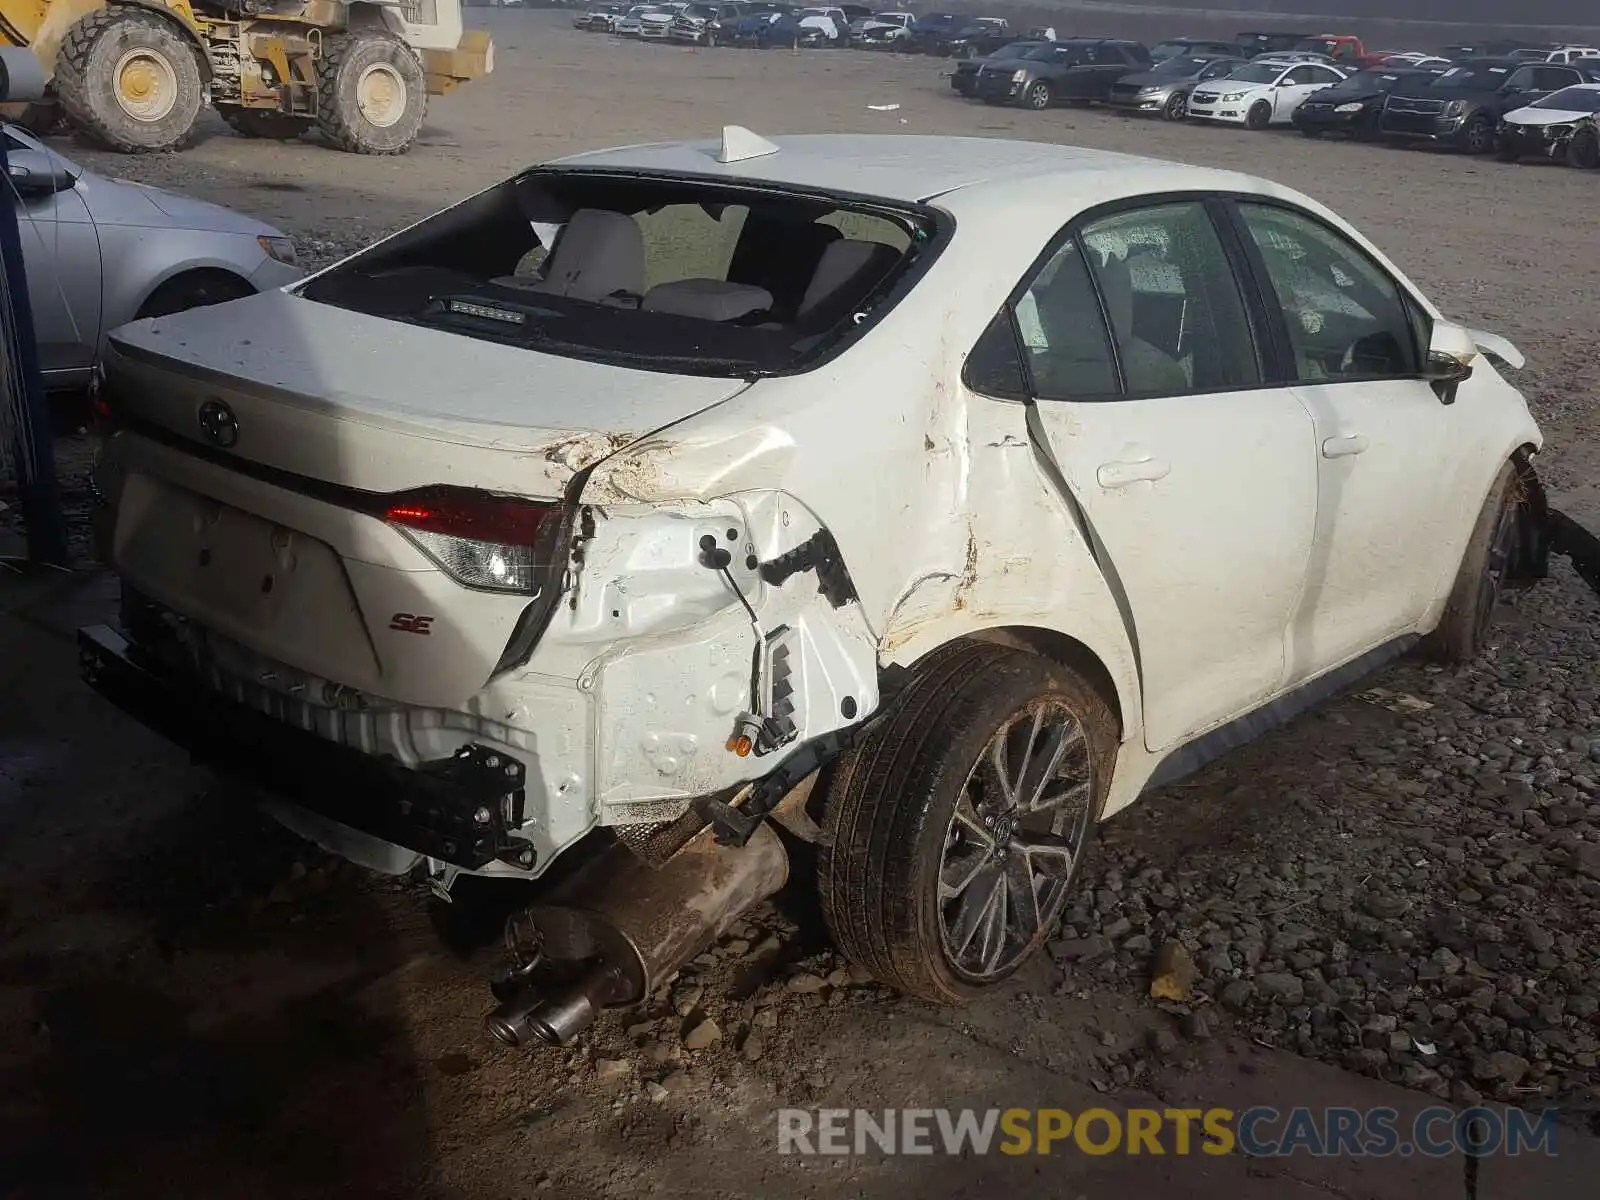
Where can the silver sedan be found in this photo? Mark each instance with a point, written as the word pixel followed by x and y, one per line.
pixel 100 253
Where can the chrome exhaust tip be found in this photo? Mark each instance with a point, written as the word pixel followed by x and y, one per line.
pixel 508 1023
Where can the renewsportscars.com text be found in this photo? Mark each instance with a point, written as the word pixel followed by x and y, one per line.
pixel 1257 1132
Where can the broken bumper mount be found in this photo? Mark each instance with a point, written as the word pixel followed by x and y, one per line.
pixel 460 810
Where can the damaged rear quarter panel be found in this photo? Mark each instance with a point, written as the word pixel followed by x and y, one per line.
pixel 664 645
pixel 945 520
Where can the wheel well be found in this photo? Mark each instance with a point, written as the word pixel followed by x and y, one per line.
pixel 1065 651
pixel 193 276
pixel 175 18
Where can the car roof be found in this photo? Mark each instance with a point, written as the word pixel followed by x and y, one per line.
pixel 905 168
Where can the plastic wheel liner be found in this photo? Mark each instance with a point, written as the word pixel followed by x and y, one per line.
pixel 1548 532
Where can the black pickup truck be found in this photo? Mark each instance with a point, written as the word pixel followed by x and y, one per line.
pixel 1462 107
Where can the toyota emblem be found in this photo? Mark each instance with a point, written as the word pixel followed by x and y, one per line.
pixel 219 424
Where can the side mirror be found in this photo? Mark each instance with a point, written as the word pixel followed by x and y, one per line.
pixel 33 174
pixel 1449 362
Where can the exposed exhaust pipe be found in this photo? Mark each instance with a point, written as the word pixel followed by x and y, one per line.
pixel 610 934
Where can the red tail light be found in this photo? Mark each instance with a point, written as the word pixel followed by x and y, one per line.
pixel 479 516
pixel 480 540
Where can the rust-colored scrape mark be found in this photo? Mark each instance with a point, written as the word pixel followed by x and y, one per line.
pixel 969 572
pixel 584 449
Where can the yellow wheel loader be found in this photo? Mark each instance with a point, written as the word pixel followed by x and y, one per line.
pixel 133 75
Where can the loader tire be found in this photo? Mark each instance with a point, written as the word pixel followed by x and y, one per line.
pixel 129 79
pixel 371 93
pixel 937 874
pixel 263 123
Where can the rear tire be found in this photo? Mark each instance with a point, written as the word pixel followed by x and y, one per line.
pixel 197 289
pixel 129 80
pixel 371 93
pixel 1463 631
pixel 932 876
pixel 261 123
pixel 1259 116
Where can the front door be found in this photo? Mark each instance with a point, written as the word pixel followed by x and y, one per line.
pixel 1299 83
pixel 61 255
pixel 1197 480
pixel 1384 440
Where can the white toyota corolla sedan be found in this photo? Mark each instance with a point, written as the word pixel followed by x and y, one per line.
pixel 934 496
pixel 1265 92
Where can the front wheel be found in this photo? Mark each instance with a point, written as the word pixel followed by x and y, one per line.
pixel 1038 96
pixel 1176 106
pixel 130 80
pixel 958 831
pixel 1463 632
pixel 1259 116
pixel 197 289
pixel 1479 136
pixel 1506 150
pixel 371 93
pixel 1583 150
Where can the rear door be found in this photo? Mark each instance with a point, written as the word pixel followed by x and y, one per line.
pixel 1195 475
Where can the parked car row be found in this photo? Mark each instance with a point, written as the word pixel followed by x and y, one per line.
pixel 1516 105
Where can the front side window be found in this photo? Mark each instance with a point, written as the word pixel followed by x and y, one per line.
pixel 1548 79
pixel 1346 317
pixel 1142 303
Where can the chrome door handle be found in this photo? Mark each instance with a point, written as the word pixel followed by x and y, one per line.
pixel 1343 447
pixel 1126 474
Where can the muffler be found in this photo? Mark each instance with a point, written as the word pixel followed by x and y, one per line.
pixel 609 935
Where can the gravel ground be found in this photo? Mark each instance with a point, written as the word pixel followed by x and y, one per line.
pixel 1405 884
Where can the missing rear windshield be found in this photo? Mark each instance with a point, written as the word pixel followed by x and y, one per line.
pixel 663 274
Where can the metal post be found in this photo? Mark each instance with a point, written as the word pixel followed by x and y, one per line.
pixel 25 434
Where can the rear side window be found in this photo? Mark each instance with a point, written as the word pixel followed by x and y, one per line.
pixel 1141 303
pixel 1063 332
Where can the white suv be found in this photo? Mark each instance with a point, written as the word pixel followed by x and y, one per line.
pixel 939 496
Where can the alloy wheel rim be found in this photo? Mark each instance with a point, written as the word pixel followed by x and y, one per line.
pixel 1014 841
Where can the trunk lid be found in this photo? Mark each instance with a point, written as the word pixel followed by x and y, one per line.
pixel 373 404
pixel 262 526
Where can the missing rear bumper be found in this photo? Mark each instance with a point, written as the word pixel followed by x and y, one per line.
pixel 461 810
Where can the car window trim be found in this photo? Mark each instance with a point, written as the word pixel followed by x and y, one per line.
pixel 1284 346
pixel 1257 312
